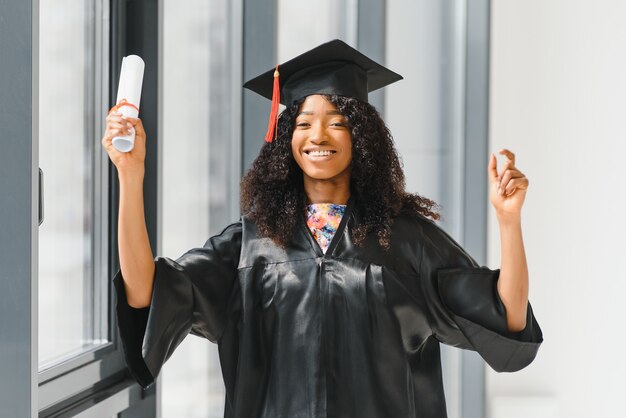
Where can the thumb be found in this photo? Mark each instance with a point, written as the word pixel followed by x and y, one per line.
pixel 492 168
pixel 138 125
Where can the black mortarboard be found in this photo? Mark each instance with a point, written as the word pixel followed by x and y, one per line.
pixel 331 68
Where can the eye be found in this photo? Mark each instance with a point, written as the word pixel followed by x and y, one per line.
pixel 302 124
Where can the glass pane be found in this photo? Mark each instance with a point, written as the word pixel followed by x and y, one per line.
pixel 300 30
pixel 66 86
pixel 425 114
pixel 195 177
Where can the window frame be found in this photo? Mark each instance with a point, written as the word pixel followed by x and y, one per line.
pixel 96 323
pixel 97 380
pixel 80 374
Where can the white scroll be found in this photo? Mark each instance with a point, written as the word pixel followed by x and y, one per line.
pixel 128 96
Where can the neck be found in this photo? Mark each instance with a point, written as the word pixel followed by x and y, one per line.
pixel 327 191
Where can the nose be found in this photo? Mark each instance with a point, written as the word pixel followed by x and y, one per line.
pixel 318 134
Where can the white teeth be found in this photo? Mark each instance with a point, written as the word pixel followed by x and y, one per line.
pixel 319 153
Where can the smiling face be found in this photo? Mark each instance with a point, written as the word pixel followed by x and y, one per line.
pixel 321 142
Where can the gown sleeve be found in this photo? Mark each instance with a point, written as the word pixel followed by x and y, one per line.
pixel 189 295
pixel 465 307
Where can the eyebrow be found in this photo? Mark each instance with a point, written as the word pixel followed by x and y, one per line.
pixel 330 112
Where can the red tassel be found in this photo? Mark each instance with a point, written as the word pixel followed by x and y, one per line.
pixel 272 128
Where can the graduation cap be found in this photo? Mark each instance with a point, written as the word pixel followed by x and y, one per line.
pixel 331 68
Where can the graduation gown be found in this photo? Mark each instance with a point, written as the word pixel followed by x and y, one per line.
pixel 354 332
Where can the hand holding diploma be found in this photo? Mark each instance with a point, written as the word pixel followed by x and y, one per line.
pixel 124 138
pixel 117 125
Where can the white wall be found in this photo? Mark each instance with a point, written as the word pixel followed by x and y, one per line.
pixel 558 89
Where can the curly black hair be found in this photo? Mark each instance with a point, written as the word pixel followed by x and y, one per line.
pixel 272 191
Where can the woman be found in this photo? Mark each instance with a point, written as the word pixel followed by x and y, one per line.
pixel 331 294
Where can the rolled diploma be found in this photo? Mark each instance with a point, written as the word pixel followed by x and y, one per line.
pixel 129 89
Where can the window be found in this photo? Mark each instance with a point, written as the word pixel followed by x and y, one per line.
pixel 78 353
pixel 332 19
pixel 72 296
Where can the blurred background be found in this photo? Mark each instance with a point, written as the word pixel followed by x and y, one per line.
pixel 543 78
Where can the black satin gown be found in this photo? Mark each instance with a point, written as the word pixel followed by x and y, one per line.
pixel 354 332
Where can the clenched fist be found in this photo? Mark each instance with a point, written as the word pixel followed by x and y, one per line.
pixel 131 162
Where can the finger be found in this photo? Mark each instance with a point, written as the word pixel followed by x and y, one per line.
pixel 138 125
pixel 509 155
pixel 119 125
pixel 520 183
pixel 120 132
pixel 116 116
pixel 118 122
pixel 117 131
pixel 112 115
pixel 107 144
pixel 507 175
pixel 112 151
pixel 492 168
pixel 507 165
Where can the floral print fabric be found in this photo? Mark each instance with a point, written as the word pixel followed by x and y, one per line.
pixel 323 220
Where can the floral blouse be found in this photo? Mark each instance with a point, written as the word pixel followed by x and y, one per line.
pixel 323 220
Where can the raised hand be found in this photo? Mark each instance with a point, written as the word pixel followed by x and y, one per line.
pixel 507 189
pixel 126 162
